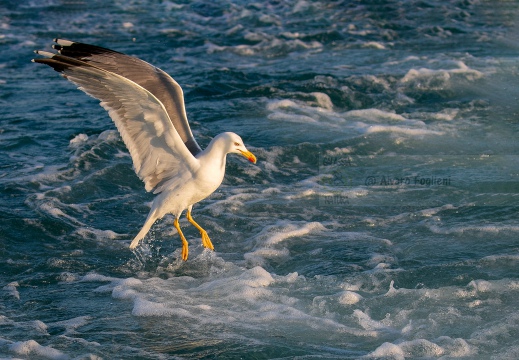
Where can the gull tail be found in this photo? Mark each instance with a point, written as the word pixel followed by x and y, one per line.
pixel 146 227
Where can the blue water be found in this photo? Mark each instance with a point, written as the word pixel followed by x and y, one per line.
pixel 381 220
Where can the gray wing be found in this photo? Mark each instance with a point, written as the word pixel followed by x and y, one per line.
pixel 153 79
pixel 159 155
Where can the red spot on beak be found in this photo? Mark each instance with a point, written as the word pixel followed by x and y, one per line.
pixel 250 156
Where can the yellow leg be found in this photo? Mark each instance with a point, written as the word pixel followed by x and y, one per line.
pixel 206 242
pixel 185 245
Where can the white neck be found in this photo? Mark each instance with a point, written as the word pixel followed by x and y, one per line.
pixel 214 155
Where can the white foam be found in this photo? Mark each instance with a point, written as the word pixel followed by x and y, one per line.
pixel 123 289
pixel 374 45
pixel 375 114
pixel 366 322
pixel 122 293
pixel 269 239
pixel 292 230
pixel 438 79
pixel 490 229
pixel 456 347
pixel 109 136
pixel 78 140
pixel 481 286
pixel 387 350
pixel 143 307
pixel 422 348
pixel 94 277
pixel 323 100
pixel 4 320
pixel 302 6
pixel 72 324
pixel 267 45
pixel 353 122
pixel 371 129
pixel 31 347
pixel 39 326
pixel 305 193
pixel 504 257
pixel 53 207
pixel 271 191
pixel 232 203
pixel 239 299
pixel 381 261
pixel 292 118
pixel 89 232
pixel 256 277
pixel 12 289
pixel 349 298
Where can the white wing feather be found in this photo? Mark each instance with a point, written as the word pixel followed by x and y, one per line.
pixel 153 79
pixel 157 151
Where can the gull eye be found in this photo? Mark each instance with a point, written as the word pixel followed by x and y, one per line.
pixel 236 144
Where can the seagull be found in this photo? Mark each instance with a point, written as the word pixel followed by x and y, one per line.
pixel 147 107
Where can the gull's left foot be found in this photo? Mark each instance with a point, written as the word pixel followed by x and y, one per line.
pixel 206 242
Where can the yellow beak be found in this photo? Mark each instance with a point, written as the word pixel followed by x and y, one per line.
pixel 250 156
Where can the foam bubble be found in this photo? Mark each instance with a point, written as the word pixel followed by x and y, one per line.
pixel 421 348
pixel 292 230
pixel 123 289
pixel 78 140
pixel 72 324
pixel 387 350
pixel 143 307
pixel 93 277
pixel 89 232
pixel 374 45
pixel 323 100
pixel 455 347
pixel 369 121
pixel 491 229
pixel 267 45
pixel 12 290
pixel 254 278
pixel 120 292
pixel 31 347
pixel 375 114
pixel 292 118
pixel 367 323
pixel 269 239
pixel 481 286
pixel 349 298
pixel 39 326
pixel 371 129
pixel 429 79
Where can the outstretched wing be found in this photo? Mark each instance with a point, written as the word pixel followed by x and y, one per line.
pixel 158 152
pixel 153 79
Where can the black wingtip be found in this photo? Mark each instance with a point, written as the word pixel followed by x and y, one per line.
pixel 57 65
pixel 59 62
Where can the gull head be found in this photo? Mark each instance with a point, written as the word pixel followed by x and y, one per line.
pixel 235 145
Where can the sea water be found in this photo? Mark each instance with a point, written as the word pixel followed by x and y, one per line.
pixel 380 222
